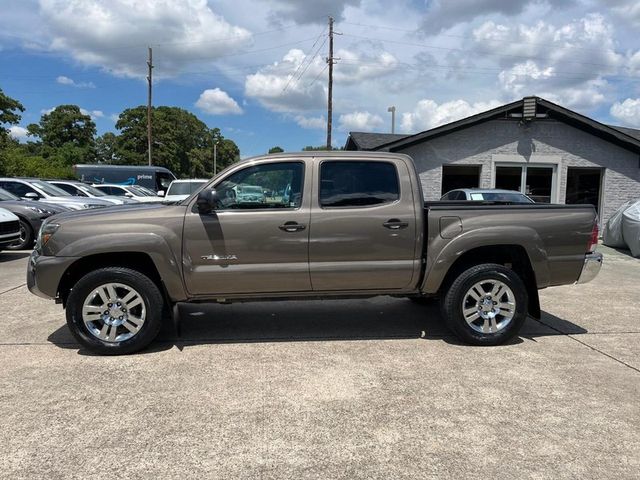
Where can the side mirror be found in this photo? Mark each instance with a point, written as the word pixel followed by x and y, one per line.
pixel 207 200
pixel 31 196
pixel 161 193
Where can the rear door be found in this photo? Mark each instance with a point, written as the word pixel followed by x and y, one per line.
pixel 363 225
pixel 252 245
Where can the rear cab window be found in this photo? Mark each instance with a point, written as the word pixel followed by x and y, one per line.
pixel 357 184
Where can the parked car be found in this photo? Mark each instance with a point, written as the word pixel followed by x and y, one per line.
pixel 128 191
pixel 9 228
pixel 487 195
pixel 79 189
pixel 181 189
pixel 152 177
pixel 355 225
pixel 30 214
pixel 249 194
pixel 36 189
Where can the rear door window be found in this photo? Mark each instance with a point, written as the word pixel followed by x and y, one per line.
pixel 357 184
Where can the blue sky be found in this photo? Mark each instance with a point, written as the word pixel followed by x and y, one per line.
pixel 256 69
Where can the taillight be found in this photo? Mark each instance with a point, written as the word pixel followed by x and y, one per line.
pixel 593 241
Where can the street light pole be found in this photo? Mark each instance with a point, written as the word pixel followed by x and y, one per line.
pixel 215 158
pixel 393 118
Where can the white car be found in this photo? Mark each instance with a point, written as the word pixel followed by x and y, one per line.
pixel 9 228
pixel 129 191
pixel 79 189
pixel 181 189
pixel 36 189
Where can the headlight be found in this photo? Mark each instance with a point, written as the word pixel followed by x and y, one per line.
pixel 39 211
pixel 92 205
pixel 46 232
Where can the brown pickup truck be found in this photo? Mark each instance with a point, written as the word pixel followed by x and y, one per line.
pixel 321 225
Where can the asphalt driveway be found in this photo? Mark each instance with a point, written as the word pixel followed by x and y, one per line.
pixel 328 389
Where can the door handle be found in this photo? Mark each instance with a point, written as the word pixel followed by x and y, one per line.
pixel 292 227
pixel 395 224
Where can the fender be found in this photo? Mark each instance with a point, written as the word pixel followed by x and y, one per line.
pixel 451 250
pixel 152 244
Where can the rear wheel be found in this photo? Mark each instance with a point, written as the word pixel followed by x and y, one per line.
pixel 486 305
pixel 115 311
pixel 26 237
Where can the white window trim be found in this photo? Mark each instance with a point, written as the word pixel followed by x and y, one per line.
pixel 554 161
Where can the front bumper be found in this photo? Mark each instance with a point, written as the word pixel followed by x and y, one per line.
pixel 591 267
pixel 9 238
pixel 45 272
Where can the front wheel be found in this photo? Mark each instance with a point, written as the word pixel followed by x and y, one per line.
pixel 486 305
pixel 115 311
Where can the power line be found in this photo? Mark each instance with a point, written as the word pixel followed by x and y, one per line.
pixel 438 47
pixel 301 63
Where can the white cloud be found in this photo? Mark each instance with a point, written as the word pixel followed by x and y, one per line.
pixel 429 114
pixel 62 80
pixel 218 102
pixel 360 122
pixel 443 14
pixel 311 123
pixel 114 34
pixel 568 63
pixel 92 113
pixel 278 87
pixel 355 67
pixel 316 11
pixel 627 112
pixel 18 132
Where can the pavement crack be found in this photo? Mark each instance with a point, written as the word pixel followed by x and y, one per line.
pixel 13 288
pixel 572 337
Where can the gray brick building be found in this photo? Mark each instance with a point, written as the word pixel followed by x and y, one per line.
pixel 532 145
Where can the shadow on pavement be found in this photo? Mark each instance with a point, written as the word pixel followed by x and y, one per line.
pixel 8 255
pixel 331 320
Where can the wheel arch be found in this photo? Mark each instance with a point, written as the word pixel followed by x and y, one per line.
pixel 514 257
pixel 139 261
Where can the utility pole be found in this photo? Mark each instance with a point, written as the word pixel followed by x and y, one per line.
pixel 150 80
pixel 330 92
pixel 392 109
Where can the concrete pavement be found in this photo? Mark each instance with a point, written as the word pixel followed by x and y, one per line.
pixel 336 389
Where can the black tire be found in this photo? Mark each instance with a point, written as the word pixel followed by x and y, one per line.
pixel 26 237
pixel 452 304
pixel 149 292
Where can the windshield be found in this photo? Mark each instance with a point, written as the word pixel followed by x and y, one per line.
pixel 92 190
pixel 148 191
pixel 501 197
pixel 4 195
pixel 49 189
pixel 138 191
pixel 185 188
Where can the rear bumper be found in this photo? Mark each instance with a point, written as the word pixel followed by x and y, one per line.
pixel 591 267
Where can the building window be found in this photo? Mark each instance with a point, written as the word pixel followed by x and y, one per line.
pixel 583 186
pixel 460 176
pixel 538 182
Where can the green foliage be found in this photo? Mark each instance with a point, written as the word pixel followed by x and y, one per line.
pixel 181 142
pixel 276 150
pixel 17 161
pixel 9 115
pixel 65 136
pixel 310 148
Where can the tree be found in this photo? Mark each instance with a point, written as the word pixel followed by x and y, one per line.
pixel 276 150
pixel 9 115
pixel 181 141
pixel 65 135
pixel 106 148
pixel 310 148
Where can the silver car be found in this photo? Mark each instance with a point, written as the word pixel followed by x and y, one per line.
pixel 79 189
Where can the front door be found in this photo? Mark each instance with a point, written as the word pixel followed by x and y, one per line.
pixel 363 226
pixel 256 241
